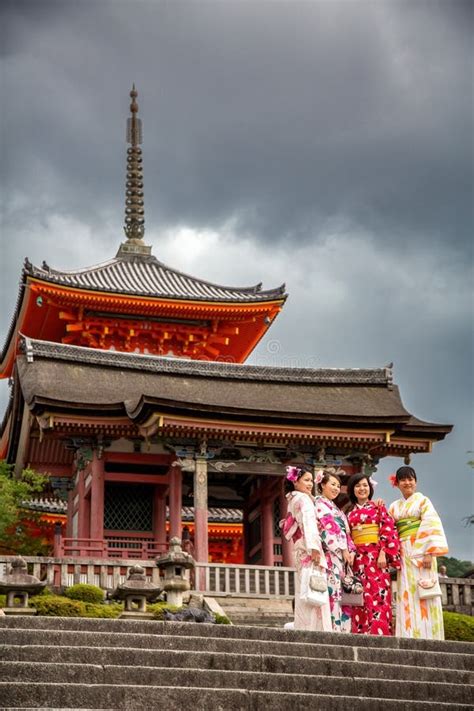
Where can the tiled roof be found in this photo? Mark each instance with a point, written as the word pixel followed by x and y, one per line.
pixel 54 376
pixel 46 505
pixel 36 349
pixel 146 276
pixel 216 515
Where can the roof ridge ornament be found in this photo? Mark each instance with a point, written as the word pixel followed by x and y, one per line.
pixel 134 205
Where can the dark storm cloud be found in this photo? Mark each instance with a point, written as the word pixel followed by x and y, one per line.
pixel 327 144
pixel 285 114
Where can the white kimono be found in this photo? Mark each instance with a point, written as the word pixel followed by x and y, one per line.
pixel 306 538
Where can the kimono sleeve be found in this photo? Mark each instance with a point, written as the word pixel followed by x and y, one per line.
pixel 309 525
pixel 430 537
pixel 389 540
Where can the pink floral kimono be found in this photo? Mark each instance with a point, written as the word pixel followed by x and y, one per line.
pixel 334 531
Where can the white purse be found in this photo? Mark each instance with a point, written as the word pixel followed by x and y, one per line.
pixel 314 586
pixel 428 586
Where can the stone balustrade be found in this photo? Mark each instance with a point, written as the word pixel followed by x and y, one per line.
pixel 60 573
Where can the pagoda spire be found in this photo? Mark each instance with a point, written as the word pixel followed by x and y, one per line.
pixel 134 206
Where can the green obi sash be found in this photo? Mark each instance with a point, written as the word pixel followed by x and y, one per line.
pixel 407 527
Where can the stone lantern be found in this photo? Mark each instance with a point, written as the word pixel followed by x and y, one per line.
pixel 17 585
pixel 136 591
pixel 174 565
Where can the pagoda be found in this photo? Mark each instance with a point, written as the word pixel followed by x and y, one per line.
pixel 129 388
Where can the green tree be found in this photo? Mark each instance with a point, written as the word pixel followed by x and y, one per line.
pixel 19 527
pixel 455 568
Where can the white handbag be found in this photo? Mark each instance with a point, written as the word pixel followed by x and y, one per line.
pixel 314 586
pixel 428 586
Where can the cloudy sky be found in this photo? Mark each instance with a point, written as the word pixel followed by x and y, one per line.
pixel 323 144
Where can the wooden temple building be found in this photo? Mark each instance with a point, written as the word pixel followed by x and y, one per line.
pixel 129 388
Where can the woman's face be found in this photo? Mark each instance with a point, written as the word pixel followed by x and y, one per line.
pixel 331 488
pixel 407 487
pixel 304 483
pixel 362 491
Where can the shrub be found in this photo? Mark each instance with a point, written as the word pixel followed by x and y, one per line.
pixel 458 627
pixel 222 619
pixel 42 593
pixel 112 610
pixel 85 593
pixel 58 606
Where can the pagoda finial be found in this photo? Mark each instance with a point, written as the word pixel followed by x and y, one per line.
pixel 134 210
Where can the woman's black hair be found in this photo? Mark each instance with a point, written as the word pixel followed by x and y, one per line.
pixel 352 483
pixel 405 473
pixel 290 485
pixel 328 473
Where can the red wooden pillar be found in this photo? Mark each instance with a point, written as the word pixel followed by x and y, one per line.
pixel 83 508
pixel 159 517
pixel 175 499
pixel 201 542
pixel 97 498
pixel 267 532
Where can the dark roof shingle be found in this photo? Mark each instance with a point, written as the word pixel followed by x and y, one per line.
pixel 147 276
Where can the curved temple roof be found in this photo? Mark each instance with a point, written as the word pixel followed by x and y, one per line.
pixel 147 276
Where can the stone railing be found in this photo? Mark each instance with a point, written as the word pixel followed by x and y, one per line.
pixel 213 579
pixel 61 573
pixel 244 580
pixel 457 594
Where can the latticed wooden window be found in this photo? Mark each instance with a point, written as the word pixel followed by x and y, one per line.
pixel 128 507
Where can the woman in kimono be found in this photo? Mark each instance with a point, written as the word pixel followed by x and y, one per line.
pixel 422 539
pixel 300 525
pixel 377 547
pixel 337 544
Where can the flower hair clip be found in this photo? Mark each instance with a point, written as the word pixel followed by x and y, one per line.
pixel 393 480
pixel 319 476
pixel 292 473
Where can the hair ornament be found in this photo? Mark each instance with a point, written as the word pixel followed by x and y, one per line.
pixel 374 483
pixel 319 476
pixel 393 480
pixel 292 473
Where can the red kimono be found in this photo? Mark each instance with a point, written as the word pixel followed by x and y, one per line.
pixel 376 615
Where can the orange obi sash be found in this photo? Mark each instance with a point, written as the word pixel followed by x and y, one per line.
pixel 407 527
pixel 365 533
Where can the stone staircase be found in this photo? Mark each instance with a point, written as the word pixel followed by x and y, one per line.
pixel 258 611
pixel 60 663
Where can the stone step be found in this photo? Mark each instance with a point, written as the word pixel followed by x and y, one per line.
pixel 312 649
pixel 275 664
pixel 262 621
pixel 66 673
pixel 134 697
pixel 257 612
pixel 176 629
